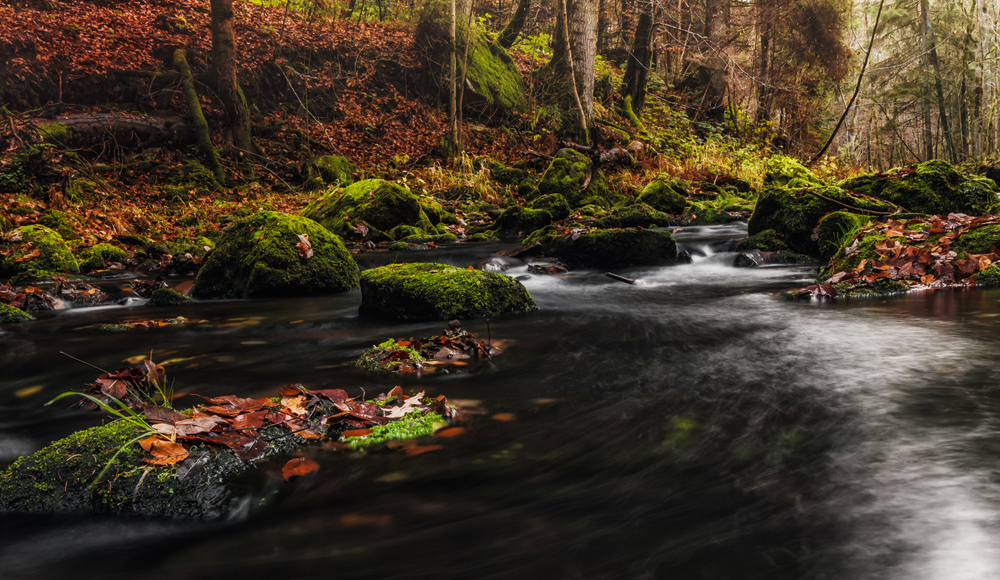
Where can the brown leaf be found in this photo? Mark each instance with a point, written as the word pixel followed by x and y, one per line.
pixel 164 452
pixel 450 432
pixel 298 467
pixel 420 449
pixel 304 247
pixel 357 433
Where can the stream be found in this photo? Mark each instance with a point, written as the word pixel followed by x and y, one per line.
pixel 696 424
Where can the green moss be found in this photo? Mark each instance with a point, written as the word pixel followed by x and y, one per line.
pixel 258 257
pixel 517 221
pixel 612 248
pixel 835 230
pixel 795 213
pixel 54 254
pixel 60 222
pixel 168 297
pixel 445 238
pixel 635 215
pixel 880 287
pixel 380 204
pixel 327 170
pixel 765 241
pixel 100 255
pixel 80 189
pixel 9 314
pixel 932 187
pixel 372 359
pixel 780 170
pixel 979 240
pixel 566 174
pixel 494 83
pixel 665 195
pixel 990 276
pixel 193 174
pixel 53 132
pixel 555 204
pixel 439 292
pixel 703 214
pixel 507 175
pixel 411 426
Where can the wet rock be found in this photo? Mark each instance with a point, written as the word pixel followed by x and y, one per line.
pixel 439 292
pixel 766 241
pixel 933 187
pixel 273 254
pixel 367 210
pixel 168 297
pixel 517 222
pixel 611 249
pixel 101 256
pixel 835 231
pixel 757 258
pixel 10 314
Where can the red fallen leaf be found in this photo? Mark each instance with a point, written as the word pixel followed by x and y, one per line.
pixel 245 421
pixel 504 417
pixel 450 432
pixel 419 449
pixel 29 256
pixel 290 391
pixel 115 389
pixel 164 452
pixel 304 247
pixel 332 394
pixel 298 467
pixel 357 433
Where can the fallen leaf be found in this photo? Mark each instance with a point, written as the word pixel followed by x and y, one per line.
pixel 164 452
pixel 304 247
pixel 298 467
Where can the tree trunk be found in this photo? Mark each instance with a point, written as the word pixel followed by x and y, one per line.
pixel 963 96
pixel 938 88
pixel 713 105
pixel 925 39
pixel 513 29
pixel 634 82
pixel 202 134
pixel 576 35
pixel 765 93
pixel 223 72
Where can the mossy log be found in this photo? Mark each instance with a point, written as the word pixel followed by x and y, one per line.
pixel 121 128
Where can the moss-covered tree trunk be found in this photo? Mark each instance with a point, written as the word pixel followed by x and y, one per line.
pixel 202 134
pixel 223 72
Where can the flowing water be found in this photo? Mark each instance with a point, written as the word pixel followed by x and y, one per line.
pixel 696 424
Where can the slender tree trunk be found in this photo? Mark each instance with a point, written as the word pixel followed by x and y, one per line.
pixel 637 69
pixel 925 38
pixel 968 59
pixel 453 137
pixel 227 87
pixel 513 29
pixel 939 89
pixel 716 30
pixel 765 94
pixel 576 38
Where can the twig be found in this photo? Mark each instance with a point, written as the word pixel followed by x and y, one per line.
pixel 84 362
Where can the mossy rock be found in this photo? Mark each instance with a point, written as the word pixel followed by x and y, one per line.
pixel 168 297
pixel 60 222
pixel 980 240
pixel 400 232
pixel 507 175
pixel 60 477
pixel 101 255
pixel 782 170
pixel 494 83
pixel 10 313
pixel 933 187
pixel 380 204
pixel 835 230
pixel 439 292
pixel 517 222
pixel 193 174
pixel 639 215
pixel 765 241
pixel 327 170
pixel 54 255
pixel 553 203
pixel 612 248
pixel 566 175
pixel 259 257
pixel 665 195
pixel 795 213
pixel 990 276
pixel 704 214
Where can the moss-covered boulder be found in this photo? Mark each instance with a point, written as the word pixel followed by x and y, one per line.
pixel 60 222
pixel 980 240
pixel 9 314
pixel 933 187
pixel 835 230
pixel 439 292
pixel 378 204
pixel 665 195
pixel 795 212
pixel 566 175
pixel 168 297
pixel 326 170
pixel 517 222
pixel 637 215
pixel 553 203
pixel 990 276
pixel 765 241
pixel 611 248
pixel 35 251
pixel 494 84
pixel 705 214
pixel 102 255
pixel 273 254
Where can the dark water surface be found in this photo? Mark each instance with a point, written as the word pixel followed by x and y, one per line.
pixel 695 425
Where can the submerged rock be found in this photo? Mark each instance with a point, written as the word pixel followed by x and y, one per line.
pixel 610 248
pixel 757 258
pixel 10 314
pixel 35 252
pixel 168 297
pixel 439 292
pixel 273 254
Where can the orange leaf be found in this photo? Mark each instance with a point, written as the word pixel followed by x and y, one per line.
pixel 164 452
pixel 357 433
pixel 298 467
pixel 450 432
